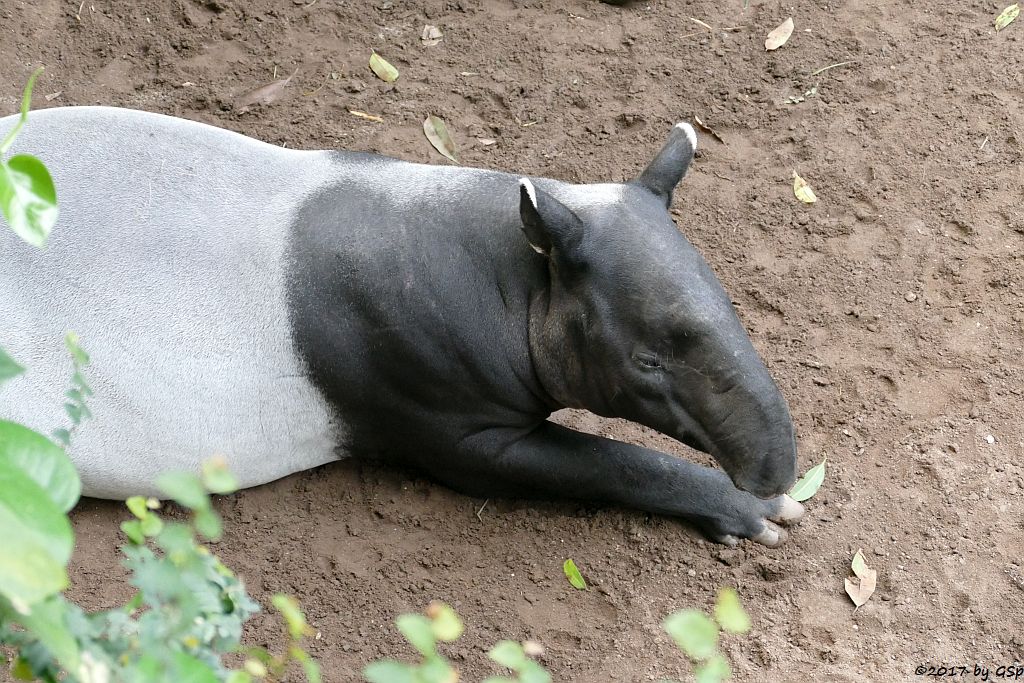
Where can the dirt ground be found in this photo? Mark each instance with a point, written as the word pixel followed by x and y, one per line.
pixel 890 312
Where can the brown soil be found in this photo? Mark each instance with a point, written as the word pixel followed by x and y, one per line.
pixel 890 311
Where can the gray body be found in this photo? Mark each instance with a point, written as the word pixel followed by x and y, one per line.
pixel 285 308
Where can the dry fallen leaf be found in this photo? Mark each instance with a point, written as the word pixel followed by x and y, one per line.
pixel 364 115
pixel 802 190
pixel 867 579
pixel 707 129
pixel 265 95
pixel 779 35
pixel 437 133
pixel 1007 16
pixel 383 68
pixel 431 35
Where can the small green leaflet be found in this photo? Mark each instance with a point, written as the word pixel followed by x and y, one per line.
pixel 383 68
pixel 444 621
pixel 809 483
pixel 572 573
pixel 714 670
pixel 1007 16
pixel 694 633
pixel 729 612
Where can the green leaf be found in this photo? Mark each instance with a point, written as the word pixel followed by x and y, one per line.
pixel 132 528
pixel 714 670
pixel 217 478
pixel 151 525
pixel 46 620
pixel 176 539
pixel 78 355
pixel 445 622
pixel 43 461
pixel 188 669
pixel 26 103
pixel 37 541
pixel 859 565
pixel 510 654
pixel 63 436
pixel 389 671
pixel 499 679
pixel 694 633
pixel 437 670
pixel 310 667
pixel 22 670
pixel 184 488
pixel 383 68
pixel 532 672
pixel 208 523
pixel 238 677
pixel 28 199
pixel 573 574
pixel 809 483
pixel 292 613
pixel 417 630
pixel 137 506
pixel 1007 16
pixel 729 613
pixel 8 367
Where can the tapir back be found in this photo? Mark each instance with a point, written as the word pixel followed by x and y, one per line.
pixel 171 245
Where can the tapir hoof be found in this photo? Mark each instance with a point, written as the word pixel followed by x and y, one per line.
pixel 785 511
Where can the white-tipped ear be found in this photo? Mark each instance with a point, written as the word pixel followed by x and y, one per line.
pixel 691 134
pixel 530 191
pixel 548 224
pixel 666 170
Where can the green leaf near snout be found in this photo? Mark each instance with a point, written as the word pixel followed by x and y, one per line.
pixel 809 483
pixel 28 199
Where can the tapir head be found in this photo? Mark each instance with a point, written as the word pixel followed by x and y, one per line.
pixel 637 326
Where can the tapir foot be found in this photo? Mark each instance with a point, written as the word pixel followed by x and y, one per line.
pixel 764 521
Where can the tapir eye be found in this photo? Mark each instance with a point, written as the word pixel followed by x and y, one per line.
pixel 647 360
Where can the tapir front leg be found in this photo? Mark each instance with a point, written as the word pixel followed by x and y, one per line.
pixel 556 462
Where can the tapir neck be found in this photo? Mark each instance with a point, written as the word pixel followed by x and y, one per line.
pixel 454 297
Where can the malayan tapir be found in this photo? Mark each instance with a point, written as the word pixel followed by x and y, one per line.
pixel 287 308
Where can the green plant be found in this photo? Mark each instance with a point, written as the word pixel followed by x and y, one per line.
pixel 697 635
pixel 442 625
pixel 189 608
pixel 28 199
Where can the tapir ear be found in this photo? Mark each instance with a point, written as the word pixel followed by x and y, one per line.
pixel 663 174
pixel 548 223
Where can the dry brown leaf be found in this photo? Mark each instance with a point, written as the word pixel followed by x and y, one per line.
pixel 861 590
pixel 431 35
pixel 707 129
pixel 779 35
pixel 265 95
pixel 364 115
pixel 437 133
